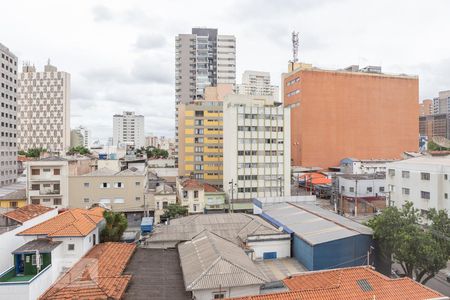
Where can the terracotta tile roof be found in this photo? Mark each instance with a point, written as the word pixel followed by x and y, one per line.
pixel 73 222
pixel 210 189
pixel 27 212
pixel 357 283
pixel 192 184
pixel 98 275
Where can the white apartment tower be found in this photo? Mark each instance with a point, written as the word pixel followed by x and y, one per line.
pixel 202 58
pixel 128 129
pixel 8 110
pixel 256 153
pixel 44 109
pixel 83 137
pixel 256 83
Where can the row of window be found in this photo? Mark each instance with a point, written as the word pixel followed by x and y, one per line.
pixel 36 171
pixel 108 201
pixel 105 185
pixel 261 128
pixel 295 92
pixel 406 174
pixel 56 201
pixel 265 153
pixel 369 189
pixel 259 141
pixel 291 82
pixel 261 116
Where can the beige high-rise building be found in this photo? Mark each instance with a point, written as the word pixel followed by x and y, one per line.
pixel 257 83
pixel 441 104
pixel 8 97
pixel 201 136
pixel 44 109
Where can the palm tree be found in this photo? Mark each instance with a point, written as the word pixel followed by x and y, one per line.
pixel 116 224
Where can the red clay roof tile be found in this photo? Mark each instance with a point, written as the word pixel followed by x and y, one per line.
pixel 27 212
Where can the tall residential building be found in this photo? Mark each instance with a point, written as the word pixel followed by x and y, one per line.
pixel 354 112
pixel 441 104
pixel 435 125
pixel 256 148
pixel 8 110
pixel 128 129
pixel 200 154
pixel 426 107
pixel 44 109
pixel 256 83
pixel 202 58
pixel 80 136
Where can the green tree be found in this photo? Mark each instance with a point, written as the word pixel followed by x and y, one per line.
pixel 78 150
pixel 152 152
pixel 421 251
pixel 174 211
pixel 33 152
pixel 116 224
pixel 432 146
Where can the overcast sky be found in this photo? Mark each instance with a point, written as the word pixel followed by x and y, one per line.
pixel 121 53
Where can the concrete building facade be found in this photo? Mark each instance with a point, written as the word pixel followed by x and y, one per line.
pixel 128 129
pixel 426 107
pixel 44 109
pixel 8 110
pixel 257 83
pixel 435 125
pixel 350 113
pixel 256 148
pixel 441 104
pixel 80 136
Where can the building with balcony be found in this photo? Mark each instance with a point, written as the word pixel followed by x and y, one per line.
pixel 128 129
pixel 48 179
pixel 257 83
pixel 200 197
pixel 256 148
pixel 424 181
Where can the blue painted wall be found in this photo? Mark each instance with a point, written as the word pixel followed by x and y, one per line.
pixel 303 252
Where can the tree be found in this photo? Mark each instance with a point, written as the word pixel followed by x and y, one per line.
pixel 33 152
pixel 421 251
pixel 116 224
pixel 152 152
pixel 173 211
pixel 78 149
pixel 432 146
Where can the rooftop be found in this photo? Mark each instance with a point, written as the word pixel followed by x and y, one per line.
pixel 209 261
pixel 313 224
pixel 108 172
pixel 424 160
pixel 156 274
pixel 41 245
pixel 372 176
pixel 73 222
pixel 349 284
pixel 27 212
pixel 98 275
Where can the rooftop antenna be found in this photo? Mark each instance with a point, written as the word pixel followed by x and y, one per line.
pixel 48 61
pixel 295 43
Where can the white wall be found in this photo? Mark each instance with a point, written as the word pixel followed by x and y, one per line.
pixel 363 184
pixel 10 242
pixel 281 247
pixel 250 290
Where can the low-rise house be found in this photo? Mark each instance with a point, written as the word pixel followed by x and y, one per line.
pixel 164 195
pixel 98 275
pixel 78 230
pixel 215 268
pixel 349 283
pixel 13 196
pixel 424 180
pixel 15 221
pixel 121 191
pixel 351 165
pixel 200 197
pixel 48 179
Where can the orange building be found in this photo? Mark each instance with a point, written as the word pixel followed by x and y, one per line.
pixel 354 112
pixel 426 107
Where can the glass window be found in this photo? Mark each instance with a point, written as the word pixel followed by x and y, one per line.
pixel 195 194
pixel 86 184
pixel 425 195
pixel 405 174
pixel 405 191
pixel 35 171
pixel 57 201
pixel 86 200
pixel 391 172
pixel 119 200
pixel 71 247
pixel 56 171
pixel 352 189
pixel 425 176
pixel 369 189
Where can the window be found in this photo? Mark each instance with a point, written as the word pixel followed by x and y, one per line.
pixel 219 295
pixel 35 187
pixel 57 201
pixel 445 176
pixel 425 176
pixel 195 207
pixel 405 174
pixel 342 188
pixel 137 183
pixel 71 247
pixel 35 171
pixel 104 185
pixel 391 172
pixel 105 201
pixel 46 170
pixel 164 204
pixel 33 259
pixel 369 189
pixel 352 189
pixel 86 200
pixel 119 200
pixel 445 196
pixel 185 194
pixel 118 185
pixel 86 184
pixel 13 204
pixel 195 194
pixel 46 200
pixel 35 201
pixel 405 191
pixel 424 195
pixel 138 198
pixel 56 171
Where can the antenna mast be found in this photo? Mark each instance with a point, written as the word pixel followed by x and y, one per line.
pixel 295 43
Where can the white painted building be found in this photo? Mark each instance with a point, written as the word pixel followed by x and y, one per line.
pixel 128 129
pixel 362 185
pixel 8 109
pixel 257 83
pixel 363 166
pixel 425 181
pixel 84 135
pixel 256 147
pixel 43 109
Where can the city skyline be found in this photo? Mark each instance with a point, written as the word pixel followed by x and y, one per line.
pixel 137 73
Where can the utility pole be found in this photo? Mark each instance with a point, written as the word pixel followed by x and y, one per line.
pixel 356 197
pixel 231 183
pixel 281 186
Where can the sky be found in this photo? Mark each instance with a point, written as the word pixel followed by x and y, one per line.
pixel 121 54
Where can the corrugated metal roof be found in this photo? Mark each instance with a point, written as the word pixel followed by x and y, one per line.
pixel 209 261
pixel 314 224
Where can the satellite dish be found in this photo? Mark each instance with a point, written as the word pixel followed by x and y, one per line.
pixel 441 141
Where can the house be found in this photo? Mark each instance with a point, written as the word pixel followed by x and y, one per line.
pixel 78 230
pixel 163 196
pixel 48 179
pixel 37 264
pixel 13 196
pixel 321 239
pixel 122 191
pixel 200 197
pixel 15 221
pixel 351 165
pixel 215 268
pixel 349 284
pixel 424 180
pixel 98 275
